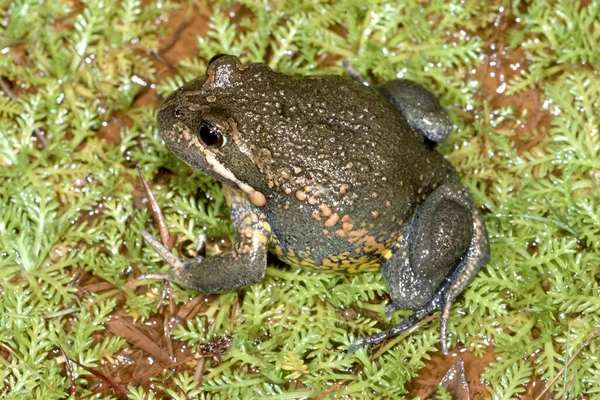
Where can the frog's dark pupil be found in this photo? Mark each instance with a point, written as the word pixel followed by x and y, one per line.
pixel 210 135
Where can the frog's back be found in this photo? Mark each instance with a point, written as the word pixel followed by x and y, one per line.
pixel 344 171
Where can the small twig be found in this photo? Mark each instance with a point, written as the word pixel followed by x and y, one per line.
pixel 120 388
pixel 157 213
pixel 13 41
pixel 69 371
pixel 159 54
pixel 233 312
pixel 579 350
pixel 14 98
pixel 566 394
pixel 165 61
pixel 159 369
pixel 199 373
pixel 330 389
pixel 167 325
pixel 147 374
pixel 8 92
pixel 175 36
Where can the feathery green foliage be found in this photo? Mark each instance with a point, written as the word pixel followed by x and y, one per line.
pixel 70 216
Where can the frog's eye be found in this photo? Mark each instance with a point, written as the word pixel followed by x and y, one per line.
pixel 210 135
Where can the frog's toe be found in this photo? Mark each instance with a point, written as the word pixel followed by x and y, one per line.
pixel 175 272
pixel 419 106
pixel 373 339
pixel 403 326
pixel 174 261
pixel 179 270
pixel 178 275
pixel 156 276
pixel 389 310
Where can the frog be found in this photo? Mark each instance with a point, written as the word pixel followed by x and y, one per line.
pixel 330 173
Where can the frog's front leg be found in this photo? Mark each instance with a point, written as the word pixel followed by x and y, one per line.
pixel 244 264
pixel 442 251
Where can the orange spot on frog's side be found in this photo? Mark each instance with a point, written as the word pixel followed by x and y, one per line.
pixel 368 242
pixel 258 199
pixel 371 244
pixel 325 210
pixel 340 233
pixel 301 195
pixel 347 226
pixel 359 233
pixel 316 215
pixel 332 220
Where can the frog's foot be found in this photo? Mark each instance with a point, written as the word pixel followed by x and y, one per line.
pixel 389 309
pixel 439 256
pixel 442 300
pixel 176 263
pixel 240 266
pixel 403 326
pixel 421 109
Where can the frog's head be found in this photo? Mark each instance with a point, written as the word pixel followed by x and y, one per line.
pixel 198 124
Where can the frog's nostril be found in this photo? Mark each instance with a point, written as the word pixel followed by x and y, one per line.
pixel 178 113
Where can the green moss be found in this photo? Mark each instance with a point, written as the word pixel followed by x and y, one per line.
pixel 68 205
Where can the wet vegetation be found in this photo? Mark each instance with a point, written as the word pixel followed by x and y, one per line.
pixel 79 86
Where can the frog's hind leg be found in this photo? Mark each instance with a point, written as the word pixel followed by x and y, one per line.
pixel 440 255
pixel 421 109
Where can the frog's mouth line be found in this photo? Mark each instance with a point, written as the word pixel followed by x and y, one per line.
pixel 257 198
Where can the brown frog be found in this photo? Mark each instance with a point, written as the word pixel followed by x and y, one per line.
pixel 327 173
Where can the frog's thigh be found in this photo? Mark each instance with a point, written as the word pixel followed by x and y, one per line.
pixel 439 235
pixel 419 106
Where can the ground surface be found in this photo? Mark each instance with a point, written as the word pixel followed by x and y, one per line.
pixel 80 83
